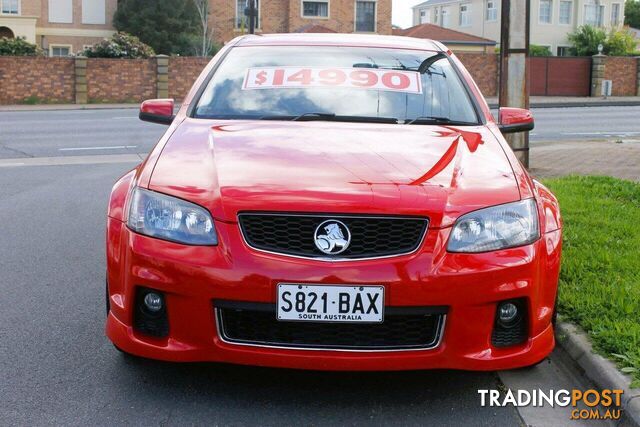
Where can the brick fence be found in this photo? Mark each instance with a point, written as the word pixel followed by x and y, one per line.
pixel 97 80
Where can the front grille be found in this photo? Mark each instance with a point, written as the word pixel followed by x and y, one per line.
pixel 402 329
pixel 371 236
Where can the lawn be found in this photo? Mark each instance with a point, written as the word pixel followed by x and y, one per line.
pixel 600 276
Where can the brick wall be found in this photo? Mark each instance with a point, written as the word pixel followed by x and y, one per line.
pixel 622 72
pixel 24 79
pixel 120 80
pixel 484 70
pixel 183 72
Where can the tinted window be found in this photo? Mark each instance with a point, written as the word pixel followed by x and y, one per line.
pixel 441 94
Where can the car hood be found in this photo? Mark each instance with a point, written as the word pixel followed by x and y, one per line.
pixel 326 167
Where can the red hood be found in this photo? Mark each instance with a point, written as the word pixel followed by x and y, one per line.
pixel 439 172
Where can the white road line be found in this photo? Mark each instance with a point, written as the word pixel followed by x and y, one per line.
pixel 125 118
pixel 112 147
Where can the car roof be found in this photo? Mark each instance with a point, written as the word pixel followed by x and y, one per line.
pixel 338 39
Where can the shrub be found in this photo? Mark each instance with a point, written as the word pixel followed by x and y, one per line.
pixel 620 42
pixel 120 45
pixel 585 41
pixel 18 47
pixel 536 50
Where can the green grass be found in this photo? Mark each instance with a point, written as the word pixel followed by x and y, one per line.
pixel 600 275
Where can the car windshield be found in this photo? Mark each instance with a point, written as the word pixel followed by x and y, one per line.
pixel 336 83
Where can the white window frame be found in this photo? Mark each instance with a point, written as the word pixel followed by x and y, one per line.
pixel 237 27
pixel 18 12
pixel 562 46
pixel 84 19
pixel 540 21
pixel 375 16
pixel 436 16
pixel 491 13
pixel 617 21
pixel 467 14
pixel 444 12
pixel 60 21
pixel 570 12
pixel 60 46
pixel 302 15
pixel 599 10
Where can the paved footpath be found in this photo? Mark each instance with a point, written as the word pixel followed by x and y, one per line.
pixel 618 159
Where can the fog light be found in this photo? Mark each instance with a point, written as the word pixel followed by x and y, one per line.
pixel 153 302
pixel 507 313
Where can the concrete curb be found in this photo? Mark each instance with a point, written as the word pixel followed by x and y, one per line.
pixel 61 107
pixel 601 371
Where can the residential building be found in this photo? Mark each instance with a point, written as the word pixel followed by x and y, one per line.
pixel 550 20
pixel 289 16
pixel 60 27
pixel 457 41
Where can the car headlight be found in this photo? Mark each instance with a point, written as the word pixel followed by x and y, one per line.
pixel 165 217
pixel 497 227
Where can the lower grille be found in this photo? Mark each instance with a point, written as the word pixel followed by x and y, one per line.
pixel 402 329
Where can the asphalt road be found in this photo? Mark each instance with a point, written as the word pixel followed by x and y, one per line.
pixel 89 132
pixel 57 368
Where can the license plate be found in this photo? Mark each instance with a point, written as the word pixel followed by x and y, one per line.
pixel 316 303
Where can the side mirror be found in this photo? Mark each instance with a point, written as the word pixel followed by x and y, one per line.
pixel 157 111
pixel 512 120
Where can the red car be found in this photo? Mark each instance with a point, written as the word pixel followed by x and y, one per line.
pixel 335 202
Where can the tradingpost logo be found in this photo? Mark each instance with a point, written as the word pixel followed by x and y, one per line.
pixel 587 404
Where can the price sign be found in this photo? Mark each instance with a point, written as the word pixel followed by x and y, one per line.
pixel 358 78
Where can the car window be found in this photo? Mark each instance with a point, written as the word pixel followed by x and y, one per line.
pixel 287 82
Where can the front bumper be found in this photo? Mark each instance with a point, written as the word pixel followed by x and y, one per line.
pixel 469 285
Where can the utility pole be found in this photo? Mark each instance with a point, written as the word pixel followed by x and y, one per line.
pixel 251 12
pixel 514 74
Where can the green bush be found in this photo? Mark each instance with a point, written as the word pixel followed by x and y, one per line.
pixel 18 47
pixel 620 43
pixel 536 50
pixel 120 45
pixel 585 41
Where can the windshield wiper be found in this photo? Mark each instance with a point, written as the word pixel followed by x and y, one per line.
pixel 434 120
pixel 311 116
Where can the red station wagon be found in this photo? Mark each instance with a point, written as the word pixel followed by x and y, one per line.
pixel 335 202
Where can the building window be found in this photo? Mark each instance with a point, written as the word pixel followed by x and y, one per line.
pixel 565 51
pixel 315 9
pixel 492 11
pixel 615 14
pixel 593 14
pixel 544 16
pixel 11 7
pixel 366 16
pixel 61 11
pixel 94 12
pixel 444 15
pixel 424 16
pixel 465 15
pixel 59 50
pixel 435 17
pixel 242 21
pixel 565 12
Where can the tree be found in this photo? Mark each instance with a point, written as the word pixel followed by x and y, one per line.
pixel 632 13
pixel 206 46
pixel 168 26
pixel 18 47
pixel 120 45
pixel 585 40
